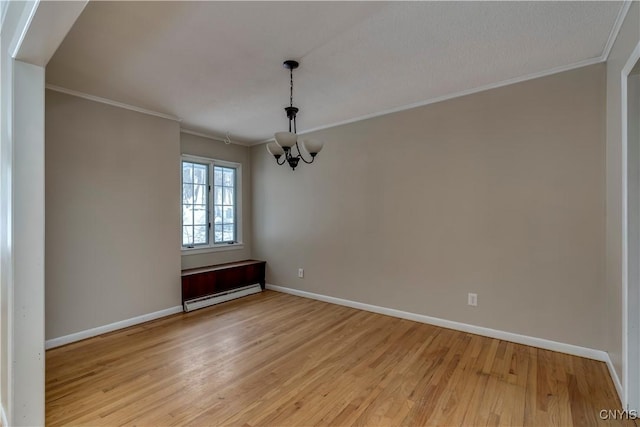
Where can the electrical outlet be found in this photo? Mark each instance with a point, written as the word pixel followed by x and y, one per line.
pixel 472 299
pixel 301 273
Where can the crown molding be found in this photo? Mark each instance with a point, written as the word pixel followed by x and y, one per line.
pixel 215 138
pixel 447 97
pixel 613 35
pixel 622 13
pixel 111 102
pixel 139 110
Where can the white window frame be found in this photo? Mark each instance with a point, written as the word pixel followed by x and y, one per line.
pixel 214 247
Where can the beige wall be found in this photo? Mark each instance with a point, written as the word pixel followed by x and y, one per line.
pixel 112 214
pixel 500 193
pixel 626 41
pixel 205 147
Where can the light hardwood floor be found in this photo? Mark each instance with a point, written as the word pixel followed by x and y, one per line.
pixel 278 360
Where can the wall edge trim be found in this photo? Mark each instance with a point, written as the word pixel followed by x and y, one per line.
pixel 3 416
pixel 99 330
pixel 560 347
pixel 29 14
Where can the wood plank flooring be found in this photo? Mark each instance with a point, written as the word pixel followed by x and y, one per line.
pixel 273 359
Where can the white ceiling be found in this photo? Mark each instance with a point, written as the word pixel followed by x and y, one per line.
pixel 218 65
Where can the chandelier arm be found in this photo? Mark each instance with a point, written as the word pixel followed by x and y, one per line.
pixel 302 157
pixel 284 159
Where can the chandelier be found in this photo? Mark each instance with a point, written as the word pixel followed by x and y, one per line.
pixel 286 141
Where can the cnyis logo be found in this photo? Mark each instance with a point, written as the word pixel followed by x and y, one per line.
pixel 619 414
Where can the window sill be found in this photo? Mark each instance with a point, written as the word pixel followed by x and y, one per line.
pixel 209 249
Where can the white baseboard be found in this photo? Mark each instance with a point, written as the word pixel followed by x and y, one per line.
pixel 575 350
pixel 67 339
pixel 616 380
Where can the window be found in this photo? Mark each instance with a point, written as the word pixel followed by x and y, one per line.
pixel 224 202
pixel 211 194
pixel 195 201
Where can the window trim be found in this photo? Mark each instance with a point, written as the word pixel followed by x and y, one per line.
pixel 211 246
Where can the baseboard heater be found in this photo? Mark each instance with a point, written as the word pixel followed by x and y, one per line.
pixel 197 303
pixel 213 284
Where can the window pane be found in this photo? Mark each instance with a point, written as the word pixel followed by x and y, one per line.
pixel 200 174
pixel 187 172
pixel 218 233
pixel 228 233
pixel 200 194
pixel 217 176
pixel 200 235
pixel 228 176
pixel 187 215
pixel 217 195
pixel 227 198
pixel 217 218
pixel 187 236
pixel 200 215
pixel 228 214
pixel 187 194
